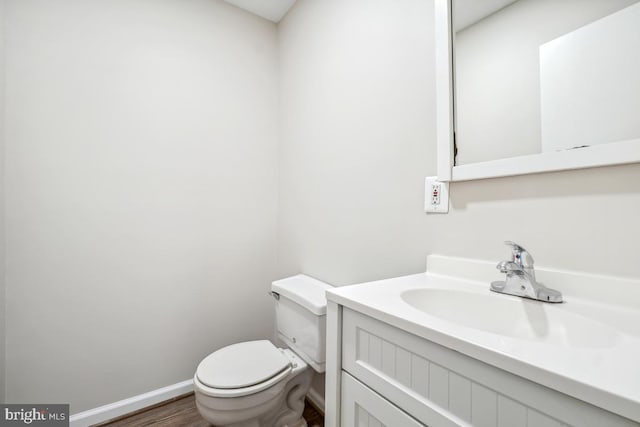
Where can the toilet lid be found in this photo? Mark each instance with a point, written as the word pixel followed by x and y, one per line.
pixel 242 365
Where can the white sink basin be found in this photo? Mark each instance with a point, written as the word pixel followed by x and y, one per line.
pixel 512 316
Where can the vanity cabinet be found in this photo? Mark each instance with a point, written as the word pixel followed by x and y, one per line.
pixel 381 375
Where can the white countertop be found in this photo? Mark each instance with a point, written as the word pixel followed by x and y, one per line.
pixel 606 376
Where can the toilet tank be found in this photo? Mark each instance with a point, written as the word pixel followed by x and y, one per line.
pixel 301 311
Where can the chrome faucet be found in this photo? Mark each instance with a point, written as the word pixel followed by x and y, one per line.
pixel 521 277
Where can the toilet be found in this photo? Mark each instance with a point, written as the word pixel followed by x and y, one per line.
pixel 255 383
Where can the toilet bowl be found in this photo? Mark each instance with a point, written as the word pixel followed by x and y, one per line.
pixel 255 383
pixel 226 395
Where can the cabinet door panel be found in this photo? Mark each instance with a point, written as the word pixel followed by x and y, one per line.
pixel 362 407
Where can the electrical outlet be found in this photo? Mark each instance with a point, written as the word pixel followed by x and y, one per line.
pixel 436 190
pixel 436 198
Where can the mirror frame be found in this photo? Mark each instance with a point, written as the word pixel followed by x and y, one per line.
pixel 615 153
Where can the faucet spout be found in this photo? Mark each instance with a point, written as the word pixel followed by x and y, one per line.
pixel 521 278
pixel 508 266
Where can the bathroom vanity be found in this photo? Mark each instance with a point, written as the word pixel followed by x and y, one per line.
pixel 441 349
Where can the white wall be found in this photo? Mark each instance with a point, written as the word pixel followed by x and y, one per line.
pixel 140 192
pixel 356 107
pixel 358 138
pixel 2 236
pixel 498 76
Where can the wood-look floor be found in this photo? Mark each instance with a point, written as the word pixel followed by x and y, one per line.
pixel 182 411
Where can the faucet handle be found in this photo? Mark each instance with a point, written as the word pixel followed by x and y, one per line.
pixel 519 254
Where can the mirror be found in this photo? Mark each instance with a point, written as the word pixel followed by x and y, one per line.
pixel 541 85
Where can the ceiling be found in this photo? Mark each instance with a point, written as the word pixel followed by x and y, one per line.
pixel 468 12
pixel 273 10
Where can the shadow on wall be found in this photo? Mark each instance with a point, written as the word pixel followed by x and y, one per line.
pixel 612 180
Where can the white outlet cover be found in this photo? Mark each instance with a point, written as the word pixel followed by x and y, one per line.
pixel 436 195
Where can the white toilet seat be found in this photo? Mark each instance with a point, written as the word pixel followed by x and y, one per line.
pixel 245 391
pixel 243 369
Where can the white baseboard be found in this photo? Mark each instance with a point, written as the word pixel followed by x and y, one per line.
pixel 316 399
pixel 122 407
